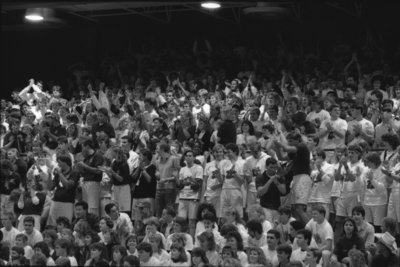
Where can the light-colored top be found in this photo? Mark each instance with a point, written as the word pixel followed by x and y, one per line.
pixel 192 173
pixel 321 191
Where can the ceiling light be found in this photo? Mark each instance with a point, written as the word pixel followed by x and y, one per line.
pixel 34 14
pixel 211 5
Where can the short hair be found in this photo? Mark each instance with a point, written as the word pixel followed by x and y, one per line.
pixel 295 264
pixel 51 233
pixel 132 260
pixel 66 159
pixel 321 153
pixel 388 101
pixel 82 204
pixel 392 139
pixel 64 220
pixel 226 228
pixel 103 111
pixel 294 136
pixel 63 261
pixel 359 209
pixel 62 139
pixel 182 222
pixel 165 148
pixel 19 250
pixel 306 233
pixel 147 154
pixel 43 247
pixel 297 225
pixel 152 221
pixel 275 232
pixel 109 206
pixel 320 209
pixel 63 243
pixel 285 210
pixel 23 236
pixel 255 225
pixel 144 246
pixel 170 211
pixel 270 161
pixel 374 158
pixel 199 252
pixel 29 219
pixel 89 143
pixel 39 259
pixel 285 248
pixel 233 147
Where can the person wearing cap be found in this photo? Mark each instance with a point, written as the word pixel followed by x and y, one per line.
pixel 386 252
pixel 359 128
pixel 350 174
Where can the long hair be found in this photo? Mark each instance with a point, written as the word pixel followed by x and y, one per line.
pixel 261 256
pixel 182 253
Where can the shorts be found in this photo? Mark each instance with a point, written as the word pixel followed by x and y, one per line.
pixel 188 208
pixel 252 200
pixel 375 214
pixel 272 216
pixel 301 189
pixel 345 206
pixel 232 199
pixel 216 202
pixel 122 196
pixel 91 195
pixel 394 206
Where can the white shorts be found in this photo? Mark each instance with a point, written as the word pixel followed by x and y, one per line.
pixel 394 206
pixel 122 196
pixel 345 206
pixel 301 189
pixel 232 198
pixel 375 214
pixel 188 208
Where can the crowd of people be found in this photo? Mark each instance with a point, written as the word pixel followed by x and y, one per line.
pixel 298 166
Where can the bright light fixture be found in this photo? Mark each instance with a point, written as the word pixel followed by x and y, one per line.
pixel 34 14
pixel 34 17
pixel 211 5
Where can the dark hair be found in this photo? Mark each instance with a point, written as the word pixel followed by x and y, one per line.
pixel 390 224
pixel 285 248
pixel 255 226
pixel 231 251
pixel 355 231
pixel 181 249
pixel 297 225
pixel 391 139
pixel 43 247
pixel 100 247
pixel 209 238
pixel 62 139
pixel 82 204
pixel 94 235
pixel 316 252
pixel 109 206
pixel 144 246
pixel 39 259
pixel 232 147
pixel 132 260
pixel 88 143
pixel 199 252
pixel 276 233
pixel 359 209
pixel 63 243
pixel 109 222
pixel 147 154
pixel 285 209
pixel 210 217
pixel 122 250
pixel 29 219
pixel 205 206
pixel 306 233
pixel 251 127
pixel 182 222
pixel 64 220
pixel 320 209
pixel 270 161
pixel 226 228
pixel 19 250
pixel 238 238
pixel 170 211
pixel 51 233
pixel 374 158
pixel 66 159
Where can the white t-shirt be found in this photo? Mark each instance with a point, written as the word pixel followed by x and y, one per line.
pixel 208 172
pixel 355 188
pixel 253 163
pixel 367 127
pixel 378 194
pixel 338 125
pixel 298 255
pixel 9 236
pixel 194 172
pixel 321 232
pixel 238 167
pixel 271 255
pixel 321 191
pixel 321 116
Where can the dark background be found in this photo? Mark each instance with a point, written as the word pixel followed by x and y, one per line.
pixel 32 51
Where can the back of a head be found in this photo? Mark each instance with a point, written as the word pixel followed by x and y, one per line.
pixel 63 261
pixel 38 259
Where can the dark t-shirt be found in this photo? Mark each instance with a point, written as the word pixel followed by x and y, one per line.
pixel 105 127
pixel 93 161
pixel 227 133
pixel 8 183
pixel 301 162
pixel 64 194
pixel 379 261
pixel 122 169
pixel 145 189
pixel 272 198
pixel 19 140
pixel 30 208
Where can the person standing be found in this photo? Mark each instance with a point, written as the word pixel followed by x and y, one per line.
pixel 91 176
pixel 64 185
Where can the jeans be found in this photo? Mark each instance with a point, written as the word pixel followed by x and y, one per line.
pixel 164 198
